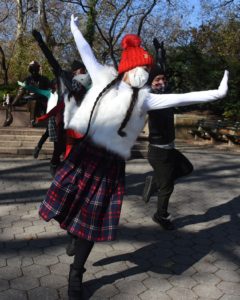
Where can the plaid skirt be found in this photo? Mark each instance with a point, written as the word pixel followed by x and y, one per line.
pixel 86 194
pixel 52 131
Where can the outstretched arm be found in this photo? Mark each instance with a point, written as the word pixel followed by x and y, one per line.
pixel 156 101
pixel 56 68
pixel 47 52
pixel 85 51
pixel 45 93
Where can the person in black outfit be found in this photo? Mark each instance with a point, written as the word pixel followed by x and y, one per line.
pixel 36 103
pixel 75 81
pixel 167 162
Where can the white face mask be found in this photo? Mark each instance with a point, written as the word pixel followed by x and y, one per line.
pixel 84 79
pixel 138 77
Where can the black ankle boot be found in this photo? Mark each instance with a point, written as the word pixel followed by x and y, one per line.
pixel 75 286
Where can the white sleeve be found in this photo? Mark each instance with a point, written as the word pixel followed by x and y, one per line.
pixel 158 101
pixel 69 110
pixel 92 65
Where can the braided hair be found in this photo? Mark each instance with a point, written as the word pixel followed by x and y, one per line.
pixel 129 112
pixel 107 87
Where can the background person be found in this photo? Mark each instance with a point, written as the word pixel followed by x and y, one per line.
pixel 167 162
pixel 36 103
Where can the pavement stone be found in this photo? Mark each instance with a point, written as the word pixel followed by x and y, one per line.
pixel 206 278
pixel 9 273
pixel 4 285
pixel 36 271
pixel 46 260
pixel 53 281
pixel 43 293
pixel 179 293
pixel 24 283
pixel 229 297
pixel 231 288
pixel 229 276
pixel 153 295
pixel 13 295
pixel 199 260
pixel 207 291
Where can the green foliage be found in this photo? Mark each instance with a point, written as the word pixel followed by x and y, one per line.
pixel 90 27
pixel 9 89
pixel 197 57
pixel 200 65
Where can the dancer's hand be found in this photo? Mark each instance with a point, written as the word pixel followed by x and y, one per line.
pixel 223 87
pixel 73 23
pixel 37 35
pixel 23 84
pixel 156 44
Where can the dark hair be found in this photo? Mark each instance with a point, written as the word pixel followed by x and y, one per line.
pixel 33 66
pixel 107 87
pixel 129 112
pixel 155 71
pixel 76 64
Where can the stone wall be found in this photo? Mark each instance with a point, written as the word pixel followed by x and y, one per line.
pixel 21 117
pixel 183 122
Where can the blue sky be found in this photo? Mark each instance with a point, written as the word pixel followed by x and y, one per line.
pixel 195 17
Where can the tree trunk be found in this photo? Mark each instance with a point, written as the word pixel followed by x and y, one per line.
pixel 4 67
pixel 20 39
pixel 20 16
pixel 91 19
pixel 50 40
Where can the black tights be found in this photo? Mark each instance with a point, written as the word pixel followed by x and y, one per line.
pixel 83 249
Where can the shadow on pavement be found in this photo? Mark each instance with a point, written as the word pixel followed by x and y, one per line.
pixel 171 253
pixel 26 196
pixel 176 252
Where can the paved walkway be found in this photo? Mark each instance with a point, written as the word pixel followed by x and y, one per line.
pixel 199 260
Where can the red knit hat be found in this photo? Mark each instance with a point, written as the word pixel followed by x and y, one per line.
pixel 133 55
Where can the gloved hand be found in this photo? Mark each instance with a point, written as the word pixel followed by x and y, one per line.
pixel 23 84
pixel 223 87
pixel 73 23
pixel 37 35
pixel 156 44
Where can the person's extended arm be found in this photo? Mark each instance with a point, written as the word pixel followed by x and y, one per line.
pixel 45 93
pixel 56 68
pixel 158 101
pixel 85 51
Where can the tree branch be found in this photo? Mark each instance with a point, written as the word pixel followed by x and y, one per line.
pixel 7 13
pixel 145 15
pixel 116 16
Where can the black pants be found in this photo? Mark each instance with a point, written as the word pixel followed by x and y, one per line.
pixel 59 145
pixel 83 249
pixel 43 139
pixel 36 108
pixel 168 165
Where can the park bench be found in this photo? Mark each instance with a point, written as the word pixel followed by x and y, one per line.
pixel 231 131
pixel 217 130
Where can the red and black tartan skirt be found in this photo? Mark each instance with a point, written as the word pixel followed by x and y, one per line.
pixel 87 192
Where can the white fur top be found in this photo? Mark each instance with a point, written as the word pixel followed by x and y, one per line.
pixel 108 115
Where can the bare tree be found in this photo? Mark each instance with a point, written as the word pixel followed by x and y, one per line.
pixel 219 8
pixel 50 40
pixel 113 18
